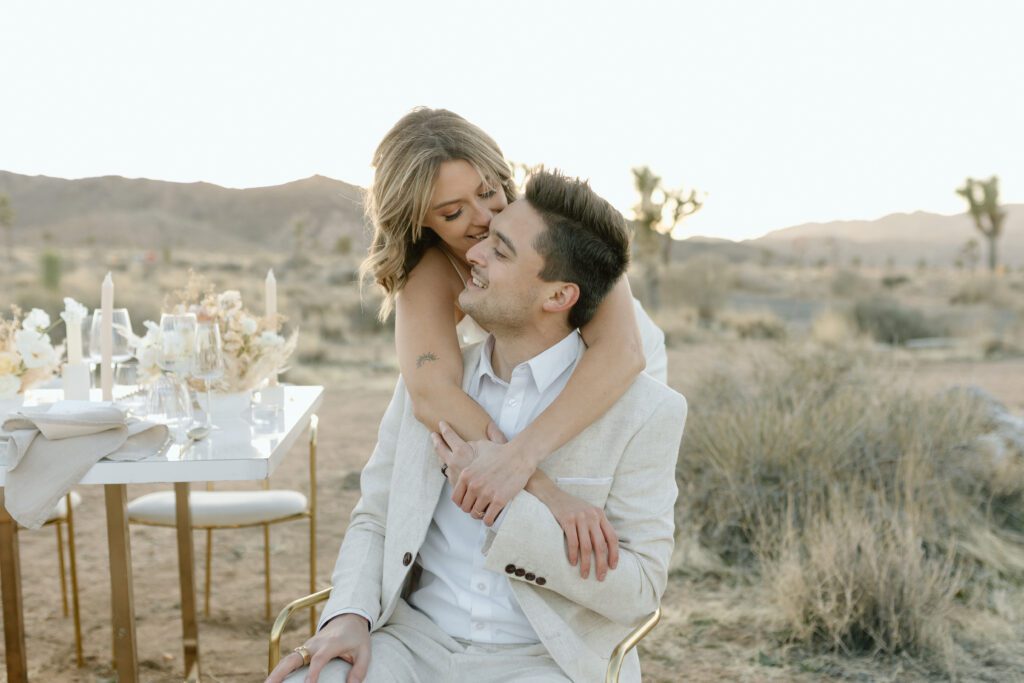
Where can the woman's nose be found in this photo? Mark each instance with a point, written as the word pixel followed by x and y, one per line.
pixel 483 214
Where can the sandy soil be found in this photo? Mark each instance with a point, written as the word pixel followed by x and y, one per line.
pixel 689 645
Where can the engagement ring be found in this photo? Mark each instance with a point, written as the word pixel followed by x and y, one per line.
pixel 303 652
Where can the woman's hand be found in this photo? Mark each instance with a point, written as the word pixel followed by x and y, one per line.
pixel 587 531
pixel 346 637
pixel 488 477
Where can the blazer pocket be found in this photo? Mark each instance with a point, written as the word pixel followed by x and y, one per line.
pixel 591 481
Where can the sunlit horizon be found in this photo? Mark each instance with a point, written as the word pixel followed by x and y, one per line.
pixel 793 113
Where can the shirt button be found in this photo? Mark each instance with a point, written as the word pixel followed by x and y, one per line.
pixel 478 626
pixel 407 559
pixel 481 587
pixel 512 401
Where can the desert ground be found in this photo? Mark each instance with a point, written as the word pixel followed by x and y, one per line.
pixel 719 624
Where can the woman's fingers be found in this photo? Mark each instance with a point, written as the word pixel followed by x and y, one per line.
pixel 572 543
pixel 613 542
pixel 585 548
pixel 288 664
pixel 600 550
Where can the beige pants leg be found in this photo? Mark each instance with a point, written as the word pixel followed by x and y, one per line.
pixel 411 648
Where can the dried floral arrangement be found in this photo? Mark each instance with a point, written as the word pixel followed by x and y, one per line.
pixel 27 356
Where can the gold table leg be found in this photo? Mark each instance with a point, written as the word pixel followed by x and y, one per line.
pixel 187 579
pixel 10 576
pixel 121 592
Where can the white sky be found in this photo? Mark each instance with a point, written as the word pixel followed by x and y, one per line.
pixel 783 112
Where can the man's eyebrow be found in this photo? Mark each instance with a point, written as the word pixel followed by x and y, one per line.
pixel 483 184
pixel 506 241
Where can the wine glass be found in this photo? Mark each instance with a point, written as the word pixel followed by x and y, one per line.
pixel 175 356
pixel 208 364
pixel 120 349
pixel 177 343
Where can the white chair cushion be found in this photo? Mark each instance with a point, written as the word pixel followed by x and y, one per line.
pixel 219 508
pixel 60 511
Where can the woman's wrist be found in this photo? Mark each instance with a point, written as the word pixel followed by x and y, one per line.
pixel 527 451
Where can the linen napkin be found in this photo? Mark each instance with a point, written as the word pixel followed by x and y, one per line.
pixel 50 448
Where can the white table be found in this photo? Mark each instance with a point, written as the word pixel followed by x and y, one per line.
pixel 238 451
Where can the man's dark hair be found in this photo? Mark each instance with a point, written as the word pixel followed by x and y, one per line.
pixel 586 241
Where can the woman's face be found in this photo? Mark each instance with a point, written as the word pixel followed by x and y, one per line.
pixel 462 205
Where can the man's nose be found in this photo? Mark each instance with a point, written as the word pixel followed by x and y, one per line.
pixel 475 253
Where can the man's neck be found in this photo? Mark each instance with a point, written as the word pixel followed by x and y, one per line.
pixel 512 347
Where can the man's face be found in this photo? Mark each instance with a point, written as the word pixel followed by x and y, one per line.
pixel 504 290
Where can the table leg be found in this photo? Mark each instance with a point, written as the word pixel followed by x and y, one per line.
pixel 121 593
pixel 187 578
pixel 10 576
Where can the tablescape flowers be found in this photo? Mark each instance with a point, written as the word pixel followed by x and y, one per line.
pixel 254 348
pixel 27 356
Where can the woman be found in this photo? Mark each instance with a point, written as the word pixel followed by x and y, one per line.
pixel 438 182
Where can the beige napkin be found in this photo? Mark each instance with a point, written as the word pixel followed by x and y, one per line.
pixel 50 448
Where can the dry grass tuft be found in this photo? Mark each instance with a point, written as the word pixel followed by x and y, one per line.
pixel 864 510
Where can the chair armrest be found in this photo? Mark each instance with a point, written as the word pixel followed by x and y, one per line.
pixel 627 644
pixel 282 619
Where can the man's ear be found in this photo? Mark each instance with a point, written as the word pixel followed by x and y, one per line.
pixel 562 298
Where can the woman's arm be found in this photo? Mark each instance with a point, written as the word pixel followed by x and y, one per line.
pixel 428 348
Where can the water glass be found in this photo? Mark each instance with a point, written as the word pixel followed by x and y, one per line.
pixel 208 364
pixel 177 342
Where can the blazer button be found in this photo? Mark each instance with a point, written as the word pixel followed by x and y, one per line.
pixel 407 559
pixel 530 576
pixel 541 580
pixel 520 572
pixel 510 568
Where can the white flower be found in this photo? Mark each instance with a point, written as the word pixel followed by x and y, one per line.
pixel 271 339
pixel 9 385
pixel 35 349
pixel 147 357
pixel 249 325
pixel 231 298
pixel 9 363
pixel 74 312
pixel 37 320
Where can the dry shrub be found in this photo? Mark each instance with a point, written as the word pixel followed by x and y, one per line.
pixel 857 503
pixel 847 284
pixel 754 324
pixel 833 328
pixel 704 282
pixel 890 322
pixel 982 290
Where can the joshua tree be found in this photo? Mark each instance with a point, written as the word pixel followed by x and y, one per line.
pixel 659 212
pixel 983 204
pixel 7 223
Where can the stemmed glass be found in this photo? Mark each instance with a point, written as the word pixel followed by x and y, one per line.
pixel 121 350
pixel 209 362
pixel 169 396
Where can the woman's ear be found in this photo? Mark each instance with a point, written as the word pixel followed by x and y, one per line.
pixel 562 298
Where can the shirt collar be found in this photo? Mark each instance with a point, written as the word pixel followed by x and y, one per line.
pixel 545 367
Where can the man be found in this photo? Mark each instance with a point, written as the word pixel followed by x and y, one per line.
pixel 423 591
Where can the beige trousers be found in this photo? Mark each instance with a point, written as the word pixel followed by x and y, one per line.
pixel 411 648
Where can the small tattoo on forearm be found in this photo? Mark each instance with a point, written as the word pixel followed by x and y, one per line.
pixel 425 358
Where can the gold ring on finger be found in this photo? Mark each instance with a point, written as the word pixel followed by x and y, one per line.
pixel 303 652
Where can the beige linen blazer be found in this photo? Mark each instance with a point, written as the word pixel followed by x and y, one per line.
pixel 623 463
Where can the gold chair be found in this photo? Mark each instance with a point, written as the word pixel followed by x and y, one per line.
pixel 236 510
pixel 64 513
pixel 611 673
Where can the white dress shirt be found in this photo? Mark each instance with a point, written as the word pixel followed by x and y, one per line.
pixel 455 591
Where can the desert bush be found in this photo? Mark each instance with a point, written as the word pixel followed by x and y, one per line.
pixel 754 324
pixel 981 290
pixel 862 507
pixel 848 284
pixel 50 270
pixel 890 322
pixel 833 328
pixel 894 281
pixel 704 282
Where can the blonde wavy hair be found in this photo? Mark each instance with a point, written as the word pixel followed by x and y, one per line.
pixel 405 166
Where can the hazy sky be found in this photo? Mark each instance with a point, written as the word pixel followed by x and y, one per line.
pixel 782 112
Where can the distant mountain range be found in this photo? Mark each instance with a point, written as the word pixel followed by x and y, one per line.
pixel 325 214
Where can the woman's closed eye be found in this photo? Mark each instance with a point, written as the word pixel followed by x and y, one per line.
pixel 452 216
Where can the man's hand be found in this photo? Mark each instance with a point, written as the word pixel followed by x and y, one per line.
pixel 346 637
pixel 489 475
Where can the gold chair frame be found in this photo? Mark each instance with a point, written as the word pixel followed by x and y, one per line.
pixel 611 673
pixel 309 513
pixel 58 524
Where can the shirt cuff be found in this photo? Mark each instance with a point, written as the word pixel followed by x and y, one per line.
pixel 352 610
